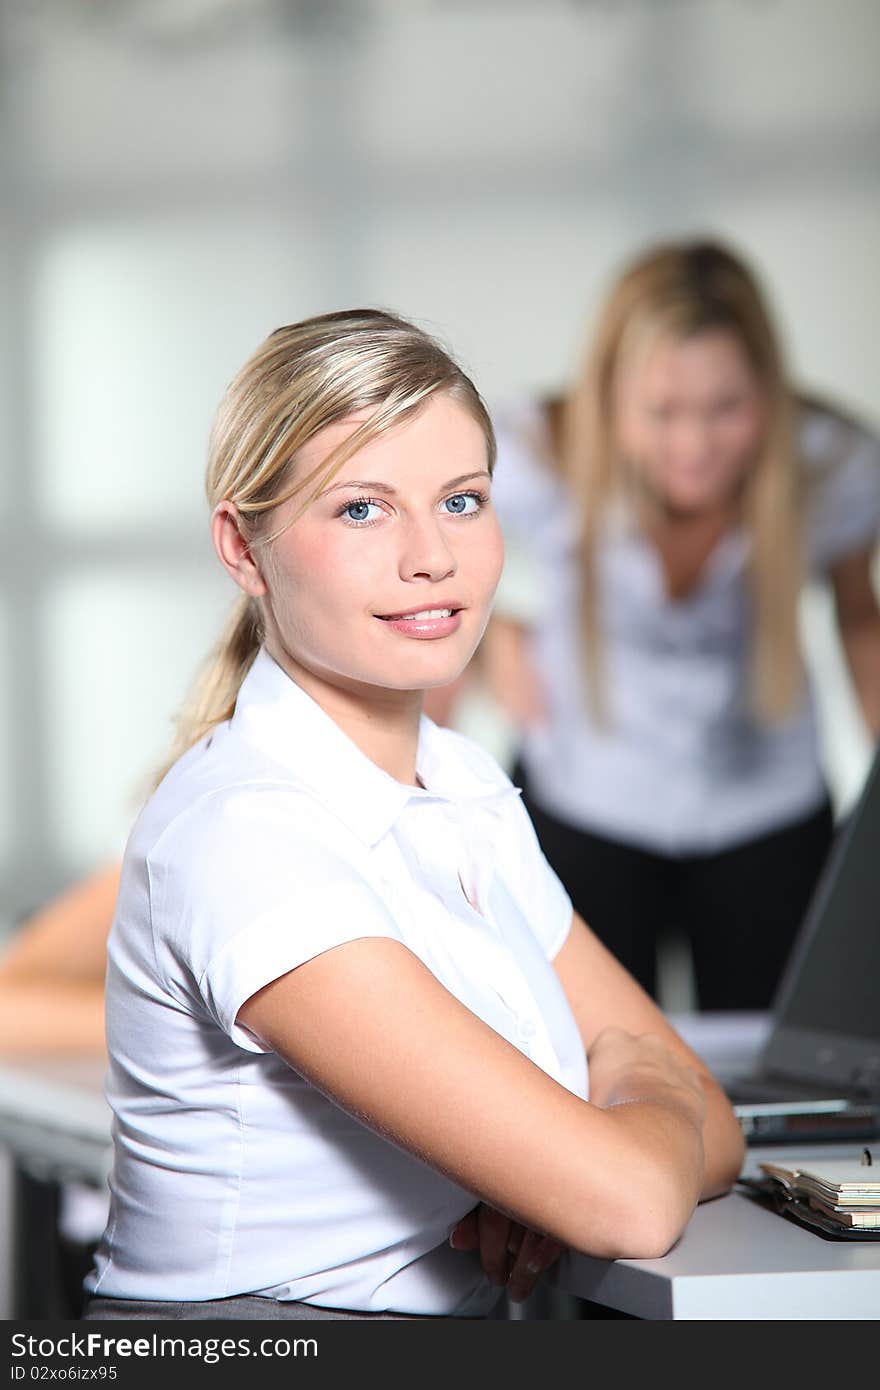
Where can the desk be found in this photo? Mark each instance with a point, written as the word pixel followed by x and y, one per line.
pixel 735 1260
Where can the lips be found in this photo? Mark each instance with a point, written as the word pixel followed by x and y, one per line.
pixel 437 610
pixel 424 624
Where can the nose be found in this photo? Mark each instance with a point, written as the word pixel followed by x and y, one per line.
pixel 692 439
pixel 425 552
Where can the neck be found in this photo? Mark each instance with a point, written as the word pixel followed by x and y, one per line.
pixel 383 724
pixel 684 523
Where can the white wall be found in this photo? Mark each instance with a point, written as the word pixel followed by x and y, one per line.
pixel 180 179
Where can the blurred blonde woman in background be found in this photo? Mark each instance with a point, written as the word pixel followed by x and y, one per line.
pixel 349 1008
pixel 671 506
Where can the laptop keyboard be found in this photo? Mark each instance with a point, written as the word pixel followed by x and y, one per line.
pixel 768 1090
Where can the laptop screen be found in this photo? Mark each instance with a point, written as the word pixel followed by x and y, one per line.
pixel 827 1009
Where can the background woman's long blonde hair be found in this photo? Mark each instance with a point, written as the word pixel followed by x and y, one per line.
pixel 675 292
pixel 303 377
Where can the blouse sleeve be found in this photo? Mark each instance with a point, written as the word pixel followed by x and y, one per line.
pixel 842 460
pixel 264 879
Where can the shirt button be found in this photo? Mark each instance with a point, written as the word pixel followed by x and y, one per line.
pixel 525 1029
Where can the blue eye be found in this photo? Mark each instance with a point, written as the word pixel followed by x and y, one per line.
pixel 360 512
pixel 463 503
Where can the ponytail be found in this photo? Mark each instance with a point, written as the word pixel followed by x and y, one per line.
pixel 214 692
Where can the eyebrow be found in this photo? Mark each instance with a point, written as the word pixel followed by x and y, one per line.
pixel 392 492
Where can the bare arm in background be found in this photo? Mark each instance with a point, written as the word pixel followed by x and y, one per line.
pixel 510 674
pixel 52 972
pixel 858 618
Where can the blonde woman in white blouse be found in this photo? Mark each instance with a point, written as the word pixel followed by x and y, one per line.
pixel 349 1008
pixel 670 507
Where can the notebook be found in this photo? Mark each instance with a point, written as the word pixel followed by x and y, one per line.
pixel 836 1199
pixel 845 1191
pixel 819 1072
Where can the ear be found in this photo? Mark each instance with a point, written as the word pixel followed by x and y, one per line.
pixel 234 550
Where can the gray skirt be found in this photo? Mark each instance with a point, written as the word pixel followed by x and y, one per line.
pixel 242 1308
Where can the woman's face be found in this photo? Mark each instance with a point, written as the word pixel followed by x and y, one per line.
pixel 386 579
pixel 689 417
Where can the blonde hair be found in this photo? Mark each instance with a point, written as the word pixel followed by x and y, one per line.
pixel 677 291
pixel 302 378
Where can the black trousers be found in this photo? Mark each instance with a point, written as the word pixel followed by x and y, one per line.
pixel 740 910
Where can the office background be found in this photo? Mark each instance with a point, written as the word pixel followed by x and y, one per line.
pixel 181 176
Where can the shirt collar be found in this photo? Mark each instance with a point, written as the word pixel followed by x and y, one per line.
pixel 276 715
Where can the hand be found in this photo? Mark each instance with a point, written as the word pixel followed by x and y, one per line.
pixel 509 1253
pixel 625 1067
pixel 510 672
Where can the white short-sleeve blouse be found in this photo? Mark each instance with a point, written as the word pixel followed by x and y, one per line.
pixel 271 841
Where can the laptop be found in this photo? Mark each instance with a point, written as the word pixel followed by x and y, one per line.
pixel 818 1076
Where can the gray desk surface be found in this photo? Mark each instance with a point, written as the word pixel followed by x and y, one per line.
pixel 735 1260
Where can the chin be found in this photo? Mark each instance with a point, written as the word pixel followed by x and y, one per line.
pixel 432 677
pixel 427 675
pixel 694 503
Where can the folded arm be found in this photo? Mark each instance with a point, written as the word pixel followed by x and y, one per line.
pixel 602 994
pixel 371 1027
